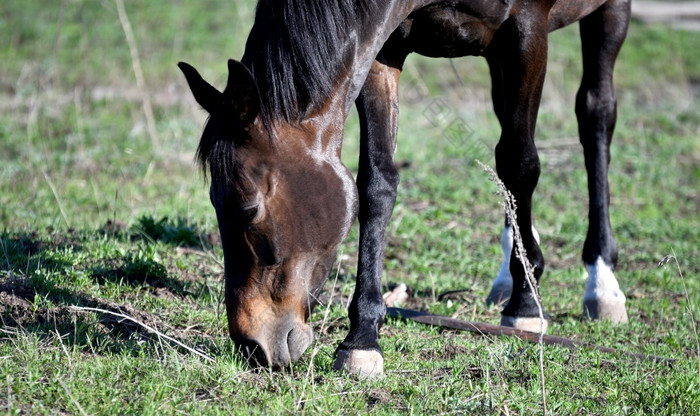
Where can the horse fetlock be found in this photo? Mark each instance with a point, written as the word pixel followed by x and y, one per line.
pixel 523 312
pixel 363 363
pixel 502 286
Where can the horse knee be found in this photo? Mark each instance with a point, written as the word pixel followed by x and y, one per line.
pixel 377 191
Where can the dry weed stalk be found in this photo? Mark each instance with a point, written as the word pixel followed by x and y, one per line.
pixel 663 262
pixel 7 258
pixel 510 207
pixel 146 327
pixel 138 72
pixel 72 398
pixel 317 348
pixel 55 195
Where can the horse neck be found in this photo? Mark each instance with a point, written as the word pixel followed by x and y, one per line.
pixel 363 47
pixel 368 43
pixel 331 98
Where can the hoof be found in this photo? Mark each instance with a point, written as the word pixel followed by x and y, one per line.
pixel 603 298
pixel 499 295
pixel 526 323
pixel 364 363
pixel 612 310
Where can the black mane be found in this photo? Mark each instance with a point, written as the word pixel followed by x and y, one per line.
pixel 298 48
pixel 296 51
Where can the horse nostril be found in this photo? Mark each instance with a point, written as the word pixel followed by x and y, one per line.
pixel 253 352
pixel 298 340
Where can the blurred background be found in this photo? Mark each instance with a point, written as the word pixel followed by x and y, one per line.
pixel 97 124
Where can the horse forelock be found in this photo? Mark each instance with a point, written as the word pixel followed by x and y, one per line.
pixel 216 152
pixel 297 50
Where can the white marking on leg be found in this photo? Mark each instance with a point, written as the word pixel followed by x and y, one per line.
pixel 505 279
pixel 503 284
pixel 603 298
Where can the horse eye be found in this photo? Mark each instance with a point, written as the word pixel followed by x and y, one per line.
pixel 248 214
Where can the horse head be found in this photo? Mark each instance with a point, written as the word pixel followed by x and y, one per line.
pixel 282 208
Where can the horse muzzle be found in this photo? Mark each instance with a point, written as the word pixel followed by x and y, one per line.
pixel 276 348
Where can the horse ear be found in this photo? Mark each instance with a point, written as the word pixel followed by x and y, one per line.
pixel 207 96
pixel 242 90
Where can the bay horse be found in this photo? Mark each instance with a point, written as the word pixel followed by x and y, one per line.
pixel 284 201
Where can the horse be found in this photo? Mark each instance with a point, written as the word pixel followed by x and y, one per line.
pixel 284 201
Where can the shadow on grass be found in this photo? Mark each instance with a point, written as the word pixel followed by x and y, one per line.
pixel 23 251
pixel 32 302
pixel 91 332
pixel 141 266
pixel 139 270
pixel 177 232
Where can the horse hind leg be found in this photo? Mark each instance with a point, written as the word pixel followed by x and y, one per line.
pixel 518 58
pixel 502 286
pixel 602 34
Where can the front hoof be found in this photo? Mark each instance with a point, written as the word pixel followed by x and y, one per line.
pixel 364 363
pixel 526 323
pixel 612 309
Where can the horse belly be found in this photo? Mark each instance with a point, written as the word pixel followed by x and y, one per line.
pixel 449 33
pixel 566 12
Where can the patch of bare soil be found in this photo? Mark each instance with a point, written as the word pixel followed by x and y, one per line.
pixel 17 297
pixel 114 227
pixel 449 352
pixel 378 397
pixel 165 293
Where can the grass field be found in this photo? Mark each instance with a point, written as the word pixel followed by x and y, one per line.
pixel 96 212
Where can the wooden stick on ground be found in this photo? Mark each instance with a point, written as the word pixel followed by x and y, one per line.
pixel 488 329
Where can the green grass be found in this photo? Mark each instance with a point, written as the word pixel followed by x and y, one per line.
pixel 128 228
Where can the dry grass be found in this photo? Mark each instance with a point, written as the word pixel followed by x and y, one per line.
pixel 509 205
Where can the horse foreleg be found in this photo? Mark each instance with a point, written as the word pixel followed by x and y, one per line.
pixel 602 34
pixel 377 181
pixel 518 57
